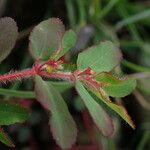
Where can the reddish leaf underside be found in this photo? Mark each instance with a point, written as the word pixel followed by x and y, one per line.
pixel 8 36
pixel 119 109
pixel 104 97
pixel 61 122
pixel 114 86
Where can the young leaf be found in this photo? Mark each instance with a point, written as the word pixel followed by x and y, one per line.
pixel 62 124
pixel 68 41
pixel 5 139
pixel 8 36
pixel 102 57
pixel 116 87
pixel 119 109
pixel 46 38
pixel 12 113
pixel 100 117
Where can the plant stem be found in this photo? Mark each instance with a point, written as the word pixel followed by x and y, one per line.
pixel 16 93
pixel 25 63
pixel 17 75
pixel 35 71
pixel 29 73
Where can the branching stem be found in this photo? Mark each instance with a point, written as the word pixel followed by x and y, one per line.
pixel 38 69
pixel 41 70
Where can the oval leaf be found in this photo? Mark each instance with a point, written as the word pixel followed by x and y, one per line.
pixel 61 122
pixel 12 113
pixel 68 41
pixel 100 117
pixel 46 38
pixel 102 57
pixel 116 87
pixel 5 139
pixel 8 36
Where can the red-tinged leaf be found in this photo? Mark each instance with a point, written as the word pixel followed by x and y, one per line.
pixel 61 122
pixel 46 38
pixel 5 139
pixel 119 109
pixel 114 86
pixel 8 36
pixel 100 117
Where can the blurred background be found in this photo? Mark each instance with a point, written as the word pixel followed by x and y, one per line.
pixel 126 23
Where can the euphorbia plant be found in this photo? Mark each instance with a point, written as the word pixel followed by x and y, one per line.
pixel 92 78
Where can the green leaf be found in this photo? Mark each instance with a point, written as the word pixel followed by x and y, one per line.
pixel 12 113
pixel 100 117
pixel 46 38
pixel 5 139
pixel 8 36
pixel 61 122
pixel 116 87
pixel 68 41
pixel 102 57
pixel 119 109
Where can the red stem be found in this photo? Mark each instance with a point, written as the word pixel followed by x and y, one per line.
pixel 32 72
pixel 38 69
pixel 17 75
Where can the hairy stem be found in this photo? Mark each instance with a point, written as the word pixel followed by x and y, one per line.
pixel 33 71
pixel 17 75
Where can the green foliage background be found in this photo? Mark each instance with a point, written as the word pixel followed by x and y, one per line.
pixel 124 22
